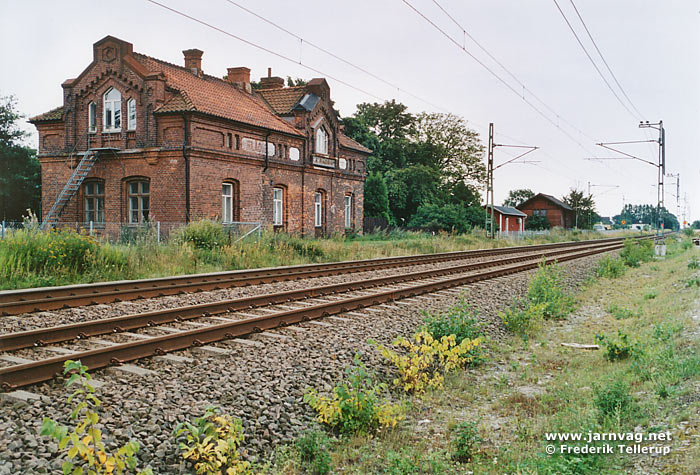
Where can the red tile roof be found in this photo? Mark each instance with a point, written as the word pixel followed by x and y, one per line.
pixel 283 99
pixel 347 142
pixel 214 96
pixel 53 114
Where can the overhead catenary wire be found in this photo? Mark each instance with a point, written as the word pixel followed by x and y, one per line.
pixel 311 68
pixel 588 55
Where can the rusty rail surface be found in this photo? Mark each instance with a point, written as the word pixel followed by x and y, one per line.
pixel 13 302
pixel 60 333
pixel 30 373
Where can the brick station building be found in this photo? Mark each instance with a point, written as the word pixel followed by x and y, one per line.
pixel 558 213
pixel 169 143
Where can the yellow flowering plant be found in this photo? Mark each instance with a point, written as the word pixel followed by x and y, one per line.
pixel 425 360
pixel 212 444
pixel 85 451
pixel 355 405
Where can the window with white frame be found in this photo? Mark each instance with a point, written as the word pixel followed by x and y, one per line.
pixel 322 140
pixel 227 202
pixel 94 200
pixel 138 201
pixel 277 206
pixel 92 117
pixel 112 107
pixel 348 211
pixel 131 107
pixel 318 209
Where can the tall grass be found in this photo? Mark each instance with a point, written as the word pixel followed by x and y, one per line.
pixel 30 258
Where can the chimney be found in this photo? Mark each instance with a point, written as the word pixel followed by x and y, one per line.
pixel 193 61
pixel 240 78
pixel 271 82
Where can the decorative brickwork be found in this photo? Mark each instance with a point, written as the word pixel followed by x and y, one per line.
pixel 194 132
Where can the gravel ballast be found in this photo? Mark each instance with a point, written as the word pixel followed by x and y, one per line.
pixel 261 380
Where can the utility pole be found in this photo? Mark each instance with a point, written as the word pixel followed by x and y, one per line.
pixel 489 224
pixel 661 173
pixel 677 176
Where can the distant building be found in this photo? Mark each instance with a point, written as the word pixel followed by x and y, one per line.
pixel 558 213
pixel 508 219
pixel 139 139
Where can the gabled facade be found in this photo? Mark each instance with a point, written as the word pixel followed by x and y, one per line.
pixel 172 144
pixel 558 213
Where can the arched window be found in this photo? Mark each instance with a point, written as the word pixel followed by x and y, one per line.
pixel 278 206
pixel 138 194
pixel 131 108
pixel 94 201
pixel 92 117
pixel 112 107
pixel 322 140
pixel 229 201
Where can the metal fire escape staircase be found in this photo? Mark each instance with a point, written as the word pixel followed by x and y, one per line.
pixel 86 163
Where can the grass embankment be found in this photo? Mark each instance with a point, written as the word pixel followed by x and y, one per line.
pixel 31 258
pixel 494 418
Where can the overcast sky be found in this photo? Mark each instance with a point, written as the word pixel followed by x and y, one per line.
pixel 652 47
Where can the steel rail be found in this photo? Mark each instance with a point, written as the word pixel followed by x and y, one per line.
pixel 51 298
pixel 30 373
pixel 60 333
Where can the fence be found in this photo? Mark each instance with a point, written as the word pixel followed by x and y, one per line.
pixel 129 233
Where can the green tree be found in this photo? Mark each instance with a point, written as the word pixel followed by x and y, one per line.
pixel 584 208
pixel 376 198
pixel 516 197
pixel 646 214
pixel 20 172
pixel 696 224
pixel 291 82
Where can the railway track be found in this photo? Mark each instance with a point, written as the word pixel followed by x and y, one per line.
pixel 14 302
pixel 248 315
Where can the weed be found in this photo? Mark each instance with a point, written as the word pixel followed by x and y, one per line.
pixel 621 313
pixel 693 282
pixel 465 441
pixel 401 463
pixel 212 444
pixel 203 234
pixel 428 359
pixel 665 331
pixel 636 252
pixel 460 322
pixel 523 319
pixel 356 405
pixel 610 267
pixel 87 453
pixel 546 288
pixel 620 348
pixel 650 295
pixel 314 452
pixel 613 399
pixel 694 263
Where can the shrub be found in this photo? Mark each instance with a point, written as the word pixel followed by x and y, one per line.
pixel 83 445
pixel 212 443
pixel 636 252
pixel 620 348
pixel 314 452
pixel 537 223
pixel 689 232
pixel 523 319
pixel 203 234
pixel 546 289
pixel 445 217
pixel 613 399
pixel 458 321
pixel 356 405
pixel 401 463
pixel 427 359
pixel 610 267
pixel 465 441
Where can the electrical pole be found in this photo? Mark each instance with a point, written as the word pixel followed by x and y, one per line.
pixel 661 173
pixel 488 225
